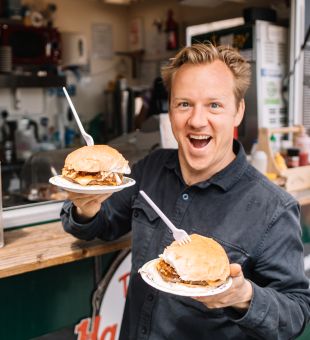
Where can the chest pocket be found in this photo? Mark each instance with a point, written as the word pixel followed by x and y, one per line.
pixel 143 212
pixel 145 224
pixel 235 254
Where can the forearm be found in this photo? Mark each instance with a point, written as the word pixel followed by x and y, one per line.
pixel 274 315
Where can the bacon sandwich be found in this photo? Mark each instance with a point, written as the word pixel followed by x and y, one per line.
pixel 95 165
pixel 202 262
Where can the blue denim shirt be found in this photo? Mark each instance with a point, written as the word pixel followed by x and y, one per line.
pixel 255 221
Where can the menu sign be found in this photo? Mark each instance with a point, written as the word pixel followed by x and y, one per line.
pixel 108 302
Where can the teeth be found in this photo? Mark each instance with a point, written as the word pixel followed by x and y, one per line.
pixel 199 137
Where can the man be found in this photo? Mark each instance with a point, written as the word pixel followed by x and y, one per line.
pixel 206 187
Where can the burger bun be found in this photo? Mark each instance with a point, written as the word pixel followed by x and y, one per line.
pixel 97 158
pixel 201 260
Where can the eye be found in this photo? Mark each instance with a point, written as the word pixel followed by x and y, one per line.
pixel 183 104
pixel 214 105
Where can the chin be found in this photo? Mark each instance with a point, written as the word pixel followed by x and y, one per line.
pixel 199 163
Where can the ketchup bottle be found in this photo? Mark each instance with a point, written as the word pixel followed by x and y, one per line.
pixel 172 32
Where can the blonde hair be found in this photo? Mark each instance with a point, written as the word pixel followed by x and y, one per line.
pixel 207 53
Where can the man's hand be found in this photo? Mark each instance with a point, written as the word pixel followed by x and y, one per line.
pixel 238 296
pixel 87 206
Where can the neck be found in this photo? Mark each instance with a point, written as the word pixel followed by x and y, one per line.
pixel 192 176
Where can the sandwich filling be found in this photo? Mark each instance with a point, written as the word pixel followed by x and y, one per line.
pixel 93 178
pixel 169 274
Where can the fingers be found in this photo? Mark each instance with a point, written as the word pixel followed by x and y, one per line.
pixel 82 199
pixel 235 270
pixel 238 295
pixel 87 201
pixel 87 205
pixel 74 195
pixel 88 212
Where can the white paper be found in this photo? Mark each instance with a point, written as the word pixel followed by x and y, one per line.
pixel 102 41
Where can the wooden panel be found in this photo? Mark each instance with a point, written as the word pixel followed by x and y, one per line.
pixel 37 247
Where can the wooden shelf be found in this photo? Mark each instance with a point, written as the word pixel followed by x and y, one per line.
pixel 32 248
pixel 16 81
pixel 296 179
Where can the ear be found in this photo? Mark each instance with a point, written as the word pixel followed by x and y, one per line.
pixel 240 113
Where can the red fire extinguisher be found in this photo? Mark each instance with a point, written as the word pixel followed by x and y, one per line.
pixel 171 31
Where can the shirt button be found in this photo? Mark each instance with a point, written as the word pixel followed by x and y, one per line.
pixel 185 197
pixel 143 330
pixel 150 297
pixel 135 214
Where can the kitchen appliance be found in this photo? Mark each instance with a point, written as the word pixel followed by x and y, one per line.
pixel 74 49
pixel 120 108
pixel 264 45
pixel 31 45
pixel 26 138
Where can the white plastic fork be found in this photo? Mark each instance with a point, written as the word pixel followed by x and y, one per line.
pixel 179 235
pixel 88 138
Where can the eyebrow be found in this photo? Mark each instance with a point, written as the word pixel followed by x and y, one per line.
pixel 217 98
pixel 209 99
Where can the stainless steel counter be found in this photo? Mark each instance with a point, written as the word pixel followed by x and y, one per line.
pixel 133 146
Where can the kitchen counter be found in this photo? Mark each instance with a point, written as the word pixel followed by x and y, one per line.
pixel 32 248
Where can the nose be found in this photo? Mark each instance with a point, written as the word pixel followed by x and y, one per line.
pixel 198 117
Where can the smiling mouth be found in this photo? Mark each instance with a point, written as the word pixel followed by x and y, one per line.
pixel 199 141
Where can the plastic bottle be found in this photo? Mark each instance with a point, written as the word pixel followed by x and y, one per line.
pixel 285 144
pixel 280 161
pixel 302 142
pixel 172 32
pixel 273 144
pixel 25 140
pixel 292 157
pixel 44 124
pixel 70 132
pixel 259 161
pixel 7 139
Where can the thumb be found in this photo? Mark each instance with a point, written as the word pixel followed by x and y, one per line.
pixel 235 269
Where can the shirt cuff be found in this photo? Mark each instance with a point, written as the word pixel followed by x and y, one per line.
pixel 256 312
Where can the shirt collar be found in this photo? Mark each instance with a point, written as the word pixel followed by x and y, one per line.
pixel 225 178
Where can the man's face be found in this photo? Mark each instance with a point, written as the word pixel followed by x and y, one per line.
pixel 203 115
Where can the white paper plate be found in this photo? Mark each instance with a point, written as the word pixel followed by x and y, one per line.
pixel 151 276
pixel 90 189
